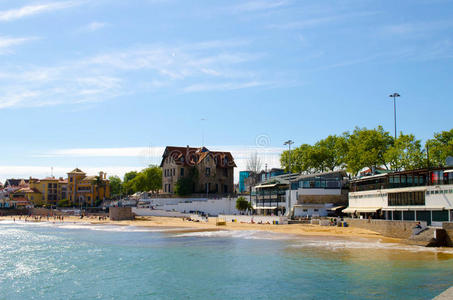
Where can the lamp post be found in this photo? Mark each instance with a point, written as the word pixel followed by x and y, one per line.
pixel 289 143
pixel 394 96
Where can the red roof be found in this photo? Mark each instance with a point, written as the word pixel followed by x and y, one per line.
pixel 189 156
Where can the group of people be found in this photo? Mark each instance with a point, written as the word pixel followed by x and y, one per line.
pixel 39 218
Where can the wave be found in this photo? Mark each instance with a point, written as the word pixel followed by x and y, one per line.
pixel 87 226
pixel 242 234
pixel 336 245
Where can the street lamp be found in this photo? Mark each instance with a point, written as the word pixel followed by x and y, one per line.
pixel 394 96
pixel 289 143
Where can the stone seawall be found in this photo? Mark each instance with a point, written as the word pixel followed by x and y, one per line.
pixel 448 227
pixel 403 230
pixel 395 229
pixel 121 213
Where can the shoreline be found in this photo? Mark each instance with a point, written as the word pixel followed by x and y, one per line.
pixel 169 222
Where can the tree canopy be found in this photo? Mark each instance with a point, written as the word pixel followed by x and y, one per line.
pixel 368 148
pixel 242 204
pixel 149 179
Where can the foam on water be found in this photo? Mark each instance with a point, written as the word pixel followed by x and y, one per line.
pixel 242 234
pixel 88 226
pixel 340 244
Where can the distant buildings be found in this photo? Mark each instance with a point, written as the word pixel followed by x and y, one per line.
pixel 77 189
pixel 210 172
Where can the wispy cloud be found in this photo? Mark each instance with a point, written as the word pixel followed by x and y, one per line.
pixel 259 5
pixel 223 86
pixel 219 65
pixel 416 29
pixel 30 10
pixel 93 26
pixel 321 20
pixel 7 42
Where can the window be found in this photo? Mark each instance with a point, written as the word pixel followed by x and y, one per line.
pixel 225 172
pixel 182 172
pixel 406 198
pixel 208 171
pixel 316 209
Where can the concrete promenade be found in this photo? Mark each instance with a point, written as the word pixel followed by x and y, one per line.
pixel 447 295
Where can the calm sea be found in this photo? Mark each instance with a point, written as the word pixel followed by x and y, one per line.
pixel 76 261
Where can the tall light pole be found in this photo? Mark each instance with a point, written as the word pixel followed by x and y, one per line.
pixel 394 96
pixel 289 143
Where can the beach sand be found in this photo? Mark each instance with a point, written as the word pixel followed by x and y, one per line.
pixel 296 229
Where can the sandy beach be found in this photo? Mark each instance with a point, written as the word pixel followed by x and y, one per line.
pixel 296 229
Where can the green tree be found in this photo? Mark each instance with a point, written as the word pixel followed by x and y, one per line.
pixel 367 148
pixel 440 147
pixel 130 175
pixel 128 186
pixel 329 154
pixel 153 175
pixel 115 185
pixel 242 204
pixel 300 161
pixel 63 203
pixel 185 185
pixel 405 153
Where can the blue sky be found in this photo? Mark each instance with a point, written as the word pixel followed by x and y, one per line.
pixel 105 85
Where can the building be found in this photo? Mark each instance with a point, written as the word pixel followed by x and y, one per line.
pixel 269 197
pixel 86 190
pixel 211 172
pixel 78 189
pixel 243 176
pixel 268 174
pixel 415 195
pixel 318 194
pixel 49 190
pixel 302 195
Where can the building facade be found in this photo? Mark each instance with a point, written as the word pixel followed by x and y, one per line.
pixel 212 171
pixel 416 195
pixel 86 190
pixel 320 194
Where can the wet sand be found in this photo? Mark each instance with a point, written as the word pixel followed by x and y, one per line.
pixel 296 229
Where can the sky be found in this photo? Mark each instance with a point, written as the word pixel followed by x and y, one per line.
pixel 107 84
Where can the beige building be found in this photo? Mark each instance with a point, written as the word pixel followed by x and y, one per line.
pixel 212 171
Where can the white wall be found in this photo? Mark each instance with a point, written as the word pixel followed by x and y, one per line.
pixel 440 200
pixel 378 198
pixel 256 219
pixel 212 207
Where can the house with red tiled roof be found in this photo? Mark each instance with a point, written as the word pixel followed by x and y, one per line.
pixel 210 172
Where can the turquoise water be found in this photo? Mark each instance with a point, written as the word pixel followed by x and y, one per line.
pixel 70 261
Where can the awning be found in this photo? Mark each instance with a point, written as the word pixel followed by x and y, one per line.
pixel 336 207
pixel 264 207
pixel 351 210
pixel 413 208
pixel 266 186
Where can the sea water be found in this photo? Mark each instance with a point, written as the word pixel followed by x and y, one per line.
pixel 82 261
